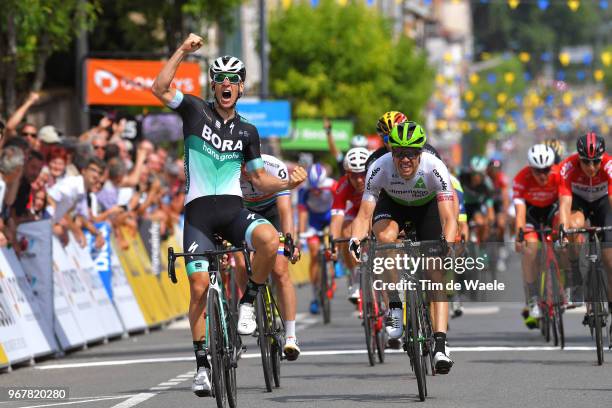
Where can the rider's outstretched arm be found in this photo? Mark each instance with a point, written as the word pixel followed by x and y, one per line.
pixel 161 87
pixel 361 223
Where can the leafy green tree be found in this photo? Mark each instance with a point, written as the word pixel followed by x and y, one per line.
pixel 29 32
pixel 156 25
pixel 342 61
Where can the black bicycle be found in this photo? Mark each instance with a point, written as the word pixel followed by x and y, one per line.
pixel 418 333
pixel 327 283
pixel 224 345
pixel 596 291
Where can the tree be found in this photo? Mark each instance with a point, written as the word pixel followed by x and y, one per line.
pixel 342 61
pixel 29 32
pixel 156 25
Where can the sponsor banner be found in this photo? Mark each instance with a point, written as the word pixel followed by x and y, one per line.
pixel 66 326
pixel 37 330
pixel 102 256
pixel 156 287
pixel 271 118
pixel 308 134
pixel 124 298
pixel 150 235
pixel 146 291
pixel 86 268
pixel 36 261
pixel 178 294
pixel 128 82
pixel 13 340
pixel 83 306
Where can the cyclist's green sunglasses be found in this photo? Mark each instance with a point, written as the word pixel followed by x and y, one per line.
pixel 220 77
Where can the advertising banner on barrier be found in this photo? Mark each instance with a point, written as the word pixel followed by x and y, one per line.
pixel 124 298
pixel 87 271
pixel 14 343
pixel 37 330
pixel 128 82
pixel 150 234
pixel 140 281
pixel 157 290
pixel 83 306
pixel 36 261
pixel 180 290
pixel 272 118
pixel 66 326
pixel 102 256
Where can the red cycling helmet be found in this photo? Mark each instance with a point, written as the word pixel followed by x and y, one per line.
pixel 591 146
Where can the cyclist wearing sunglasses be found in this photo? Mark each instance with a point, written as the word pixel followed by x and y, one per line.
pixel 586 193
pixel 418 190
pixel 347 200
pixel 217 142
pixel 535 191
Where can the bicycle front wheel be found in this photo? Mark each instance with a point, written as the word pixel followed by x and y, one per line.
pixel 263 328
pixel 414 330
pixel 276 337
pixel 367 312
pixel 216 349
pixel 324 290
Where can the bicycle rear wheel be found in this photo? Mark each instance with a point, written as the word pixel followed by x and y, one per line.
pixel 231 359
pixel 414 337
pixel 216 349
pixel 264 340
pixel 598 318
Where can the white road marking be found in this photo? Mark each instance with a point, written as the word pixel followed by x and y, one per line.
pixel 159 388
pixel 480 310
pixel 80 401
pixel 167 383
pixel 303 353
pixel 179 325
pixel 135 400
pixel 577 310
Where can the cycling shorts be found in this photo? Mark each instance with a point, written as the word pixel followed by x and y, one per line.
pixel 424 220
pixel 598 212
pixel 540 217
pixel 223 215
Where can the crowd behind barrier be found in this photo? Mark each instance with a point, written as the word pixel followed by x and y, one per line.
pixel 85 223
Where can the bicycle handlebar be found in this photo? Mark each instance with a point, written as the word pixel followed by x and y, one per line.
pixel 210 253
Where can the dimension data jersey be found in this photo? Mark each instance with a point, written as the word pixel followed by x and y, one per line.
pixel 214 149
pixel 257 200
pixel 431 180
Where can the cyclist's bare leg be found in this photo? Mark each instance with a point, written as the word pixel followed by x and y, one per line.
pixel 313 249
pixel 386 231
pixel 530 253
pixel 481 226
pixel 198 288
pixel 286 292
pixel 240 275
pixel 265 242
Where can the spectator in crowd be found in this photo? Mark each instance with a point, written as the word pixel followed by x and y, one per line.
pixel 31 170
pixel 27 130
pixel 11 168
pixel 98 143
pixel 57 161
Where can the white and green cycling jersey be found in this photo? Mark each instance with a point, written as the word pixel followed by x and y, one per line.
pixel 431 180
pixel 255 199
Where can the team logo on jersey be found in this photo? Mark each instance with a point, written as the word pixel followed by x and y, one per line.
pixel 218 143
pixel 217 124
pixel 420 183
pixel 231 128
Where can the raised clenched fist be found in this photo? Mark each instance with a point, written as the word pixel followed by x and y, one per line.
pixel 192 43
pixel 297 177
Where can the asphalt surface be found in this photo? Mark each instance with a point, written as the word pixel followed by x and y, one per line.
pixel 498 363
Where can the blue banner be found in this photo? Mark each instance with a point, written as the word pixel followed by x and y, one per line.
pixel 102 256
pixel 271 118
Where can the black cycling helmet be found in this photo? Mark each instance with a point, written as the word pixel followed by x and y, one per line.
pixel 590 146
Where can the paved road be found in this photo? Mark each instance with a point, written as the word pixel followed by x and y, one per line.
pixel 499 363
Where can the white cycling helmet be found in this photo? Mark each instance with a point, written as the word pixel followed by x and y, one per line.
pixel 541 156
pixel 359 141
pixel 355 160
pixel 227 64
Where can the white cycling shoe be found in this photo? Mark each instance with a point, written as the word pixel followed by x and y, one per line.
pixel 291 349
pixel 201 383
pixel 246 319
pixel 442 361
pixel 393 324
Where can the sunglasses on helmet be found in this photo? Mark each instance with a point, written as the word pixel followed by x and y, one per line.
pixel 220 77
